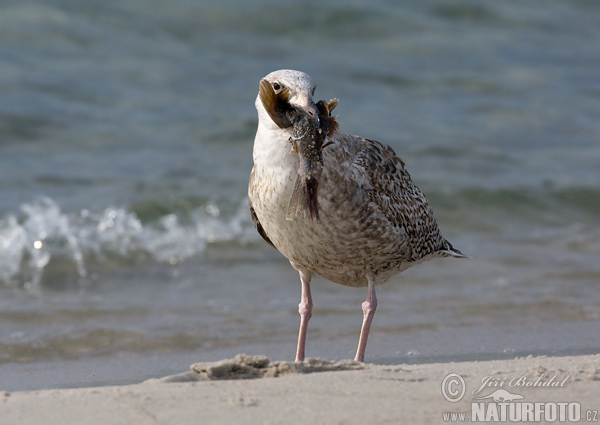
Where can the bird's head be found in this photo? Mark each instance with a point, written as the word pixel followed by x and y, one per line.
pixel 282 94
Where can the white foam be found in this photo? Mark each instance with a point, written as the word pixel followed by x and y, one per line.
pixel 30 240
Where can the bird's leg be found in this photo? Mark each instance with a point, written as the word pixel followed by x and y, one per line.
pixel 368 306
pixel 305 310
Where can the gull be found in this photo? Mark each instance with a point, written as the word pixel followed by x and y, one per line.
pixel 373 222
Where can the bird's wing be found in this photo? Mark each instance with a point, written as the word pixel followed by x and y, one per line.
pixel 389 186
pixel 259 228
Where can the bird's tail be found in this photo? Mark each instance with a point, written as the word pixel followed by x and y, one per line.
pixel 451 251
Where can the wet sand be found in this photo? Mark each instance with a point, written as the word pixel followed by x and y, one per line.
pixel 254 390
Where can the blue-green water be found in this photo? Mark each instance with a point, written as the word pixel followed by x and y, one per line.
pixel 126 133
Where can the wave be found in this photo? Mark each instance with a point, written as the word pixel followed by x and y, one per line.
pixel 42 236
pixel 42 233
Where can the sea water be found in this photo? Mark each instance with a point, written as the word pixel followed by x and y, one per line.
pixel 126 128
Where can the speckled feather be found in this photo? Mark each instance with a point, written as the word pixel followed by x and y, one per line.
pixel 373 219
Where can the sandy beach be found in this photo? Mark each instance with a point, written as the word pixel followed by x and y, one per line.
pixel 254 390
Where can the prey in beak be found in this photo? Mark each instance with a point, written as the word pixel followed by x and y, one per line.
pixel 311 125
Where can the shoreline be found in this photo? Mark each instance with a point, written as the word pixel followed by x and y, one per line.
pixel 259 391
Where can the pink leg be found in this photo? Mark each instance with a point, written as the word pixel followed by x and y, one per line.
pixel 368 306
pixel 305 310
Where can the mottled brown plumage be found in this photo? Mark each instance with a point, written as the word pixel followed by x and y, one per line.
pixel 374 222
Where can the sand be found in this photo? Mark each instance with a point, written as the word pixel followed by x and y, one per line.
pixel 254 390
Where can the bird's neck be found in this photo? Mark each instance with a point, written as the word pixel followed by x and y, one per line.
pixel 273 149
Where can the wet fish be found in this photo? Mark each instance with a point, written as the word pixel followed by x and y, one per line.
pixel 308 141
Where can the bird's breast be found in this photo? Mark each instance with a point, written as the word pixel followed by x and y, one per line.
pixel 347 241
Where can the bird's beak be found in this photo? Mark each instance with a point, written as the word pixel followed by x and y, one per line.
pixel 305 104
pixel 313 111
pixel 283 107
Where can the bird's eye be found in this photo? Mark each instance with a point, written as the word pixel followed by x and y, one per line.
pixel 277 87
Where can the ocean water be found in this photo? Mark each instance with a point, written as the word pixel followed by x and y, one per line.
pixel 126 130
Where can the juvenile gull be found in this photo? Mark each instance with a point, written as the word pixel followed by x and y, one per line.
pixel 373 222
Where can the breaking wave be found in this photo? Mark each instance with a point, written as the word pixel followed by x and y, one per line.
pixel 41 238
pixel 42 233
